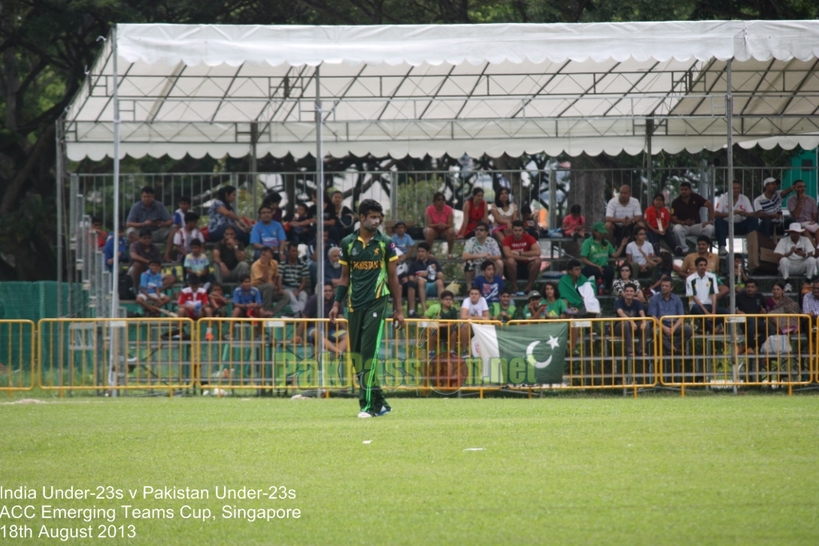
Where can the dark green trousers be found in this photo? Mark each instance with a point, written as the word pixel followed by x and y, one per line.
pixel 366 331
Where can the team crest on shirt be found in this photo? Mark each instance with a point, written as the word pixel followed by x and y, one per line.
pixel 376 252
pixel 355 252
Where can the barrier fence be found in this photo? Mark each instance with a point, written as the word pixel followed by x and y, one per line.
pixel 280 356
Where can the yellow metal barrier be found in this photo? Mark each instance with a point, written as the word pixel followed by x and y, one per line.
pixel 722 351
pixel 271 355
pixel 113 355
pixel 17 355
pixel 609 353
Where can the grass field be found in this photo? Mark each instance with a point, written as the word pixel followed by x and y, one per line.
pixel 653 470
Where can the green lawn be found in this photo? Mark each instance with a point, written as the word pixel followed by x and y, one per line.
pixel 653 470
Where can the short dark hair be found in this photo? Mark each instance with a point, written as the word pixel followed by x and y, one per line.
pixel 483 225
pixel 487 263
pixel 700 260
pixel 195 242
pixel 155 261
pixel 505 291
pixel 630 268
pixel 575 209
pixel 96 220
pixel 265 206
pixel 424 245
pixel 658 196
pixel 399 223
pixel 438 195
pixel 630 285
pixel 193 278
pixel 191 217
pixel 147 189
pixel 185 199
pixel 517 223
pixel 447 294
pixel 243 278
pixel 144 232
pixel 273 197
pixel 215 285
pixel 369 205
pixel 685 184
pixel 704 238
pixel 474 287
pixel 753 281
pixel 265 249
pixel 328 283
pixel 572 264
pixel 666 278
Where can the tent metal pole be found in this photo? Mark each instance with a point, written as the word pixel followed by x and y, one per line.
pixel 254 165
pixel 60 126
pixel 114 350
pixel 729 180
pixel 649 134
pixel 320 230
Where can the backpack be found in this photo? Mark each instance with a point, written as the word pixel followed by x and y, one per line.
pixel 125 287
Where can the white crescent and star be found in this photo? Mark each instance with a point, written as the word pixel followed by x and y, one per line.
pixel 530 358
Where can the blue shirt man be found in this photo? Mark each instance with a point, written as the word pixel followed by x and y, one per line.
pixel 268 233
pixel 108 252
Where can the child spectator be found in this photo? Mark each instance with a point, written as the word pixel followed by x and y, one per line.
pixel 535 309
pixel 108 250
pixel 489 284
pixel 150 295
pixel 474 307
pixel 529 221
pixel 556 306
pixel 740 276
pixel 142 252
pixel 217 300
pixel 658 220
pixel 426 278
pixel 402 240
pixel 503 310
pixel 247 303
pixel 179 215
pixel 179 223
pixel 301 226
pixel 574 225
pixel 96 229
pixel 182 237
pixel 197 263
pixel 193 300
pixel 444 311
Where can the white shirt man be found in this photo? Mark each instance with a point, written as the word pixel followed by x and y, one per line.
pixel 795 254
pixel 741 205
pixel 622 213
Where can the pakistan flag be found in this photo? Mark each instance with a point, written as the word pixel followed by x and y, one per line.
pixel 522 353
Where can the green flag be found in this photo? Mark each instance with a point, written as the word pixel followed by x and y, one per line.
pixel 522 353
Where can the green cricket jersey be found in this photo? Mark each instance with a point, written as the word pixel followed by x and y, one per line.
pixel 368 267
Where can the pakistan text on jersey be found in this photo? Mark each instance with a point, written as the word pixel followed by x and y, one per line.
pixel 368 264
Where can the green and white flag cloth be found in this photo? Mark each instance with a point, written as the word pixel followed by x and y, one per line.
pixel 522 353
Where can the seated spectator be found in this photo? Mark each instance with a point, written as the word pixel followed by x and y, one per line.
pixel 300 227
pixel 689 267
pixel 489 284
pixel 474 307
pixel 229 258
pixel 221 215
pixel 530 223
pixel 99 233
pixel 345 218
pixel 574 225
pixel 247 300
pixel 658 222
pixel 803 210
pixel 701 289
pixel 478 249
pixel 522 254
pixel 475 210
pixel 795 254
pixel 440 223
pixel 751 302
pixel 595 254
pixel 623 214
pixel 179 223
pixel 425 279
pixel 556 307
pixel 504 212
pixel 627 306
pixel 780 304
pixel 183 236
pixel 504 310
pixel 147 213
pixel 142 252
pixel 535 309
pixel 662 307
pixel 744 216
pixel 273 199
pixel 123 246
pixel 312 260
pixel 740 276
pixel 264 276
pixel 335 338
pixel 768 208
pixel 810 301
pixel 150 295
pixel 402 240
pixel 295 275
pixel 640 253
pixel 627 277
pixel 217 300
pixel 569 288
pixel 686 218
pixel 197 263
pixel 267 232
pixel 448 334
pixel 193 300
pixel 332 267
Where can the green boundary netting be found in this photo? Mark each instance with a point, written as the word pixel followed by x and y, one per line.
pixel 38 300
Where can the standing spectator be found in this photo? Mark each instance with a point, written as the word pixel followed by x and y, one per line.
pixel 768 207
pixel 267 232
pixel 335 338
pixel 475 210
pixel 751 302
pixel 474 307
pixel 295 276
pixel 627 306
pixel 505 309
pixel 221 215
pixel 595 253
pixel 150 214
pixel 627 277
pixel 810 302
pixel 522 255
pixel 143 252
pixel 264 275
pixel 662 307
pixel 701 289
pixel 479 248
pixel 744 216
pixel 569 287
pixel 489 284
pixel 197 263
pixel 658 222
pixel 229 258
pixel 183 236
pixel 403 241
pixel 623 213
pixel 193 300
pixel 440 222
pixel 332 267
pixel 686 216
pixel 504 212
pixel 803 209
pixel 640 253
pixel 179 214
pixel 178 223
pixel 150 295
pixel 574 225
pixel 426 279
pixel 302 225
pixel 795 254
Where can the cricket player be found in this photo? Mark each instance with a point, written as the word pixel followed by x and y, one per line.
pixel 368 274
